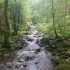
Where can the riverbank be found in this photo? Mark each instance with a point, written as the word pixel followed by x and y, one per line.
pixel 60 49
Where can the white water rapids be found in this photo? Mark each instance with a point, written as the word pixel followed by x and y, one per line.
pixel 39 61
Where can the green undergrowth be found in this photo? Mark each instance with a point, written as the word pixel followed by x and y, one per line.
pixel 63 67
pixel 61 55
pixel 47 29
pixel 60 49
pixel 13 41
pixel 1 43
pixel 13 44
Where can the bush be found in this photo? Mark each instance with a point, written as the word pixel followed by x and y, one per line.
pixel 2 49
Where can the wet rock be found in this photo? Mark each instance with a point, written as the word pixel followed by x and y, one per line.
pixel 18 48
pixel 38 50
pixel 25 66
pixel 27 58
pixel 36 62
pixel 31 58
pixel 45 41
pixel 37 41
pixel 41 45
pixel 29 39
pixel 2 66
pixel 18 43
pixel 39 36
pixel 49 48
pixel 34 36
pixel 9 65
pixel 17 66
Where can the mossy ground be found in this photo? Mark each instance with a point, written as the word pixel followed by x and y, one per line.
pixel 60 49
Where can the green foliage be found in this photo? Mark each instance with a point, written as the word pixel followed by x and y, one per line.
pixel 44 40
pixel 13 44
pixel 68 61
pixel 1 1
pixel 63 67
pixel 42 15
pixel 2 49
pixel 49 49
pixel 68 52
pixel 46 28
pixel 1 39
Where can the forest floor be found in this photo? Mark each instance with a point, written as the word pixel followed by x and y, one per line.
pixel 33 57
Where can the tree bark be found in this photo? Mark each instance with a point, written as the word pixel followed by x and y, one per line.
pixel 7 26
pixel 0 24
pixel 15 20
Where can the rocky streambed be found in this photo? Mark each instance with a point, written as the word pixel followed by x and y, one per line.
pixel 33 57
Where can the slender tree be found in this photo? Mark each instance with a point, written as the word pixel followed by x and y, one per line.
pixel 53 17
pixel 7 27
pixel 0 24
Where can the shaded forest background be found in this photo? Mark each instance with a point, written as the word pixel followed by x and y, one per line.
pixel 52 17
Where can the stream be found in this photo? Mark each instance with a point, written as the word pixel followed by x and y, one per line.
pixel 33 57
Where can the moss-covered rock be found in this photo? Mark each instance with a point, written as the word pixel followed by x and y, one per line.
pixel 62 67
pixel 68 52
pixel 17 43
pixel 59 40
pixel 56 60
pixel 49 48
pixel 27 58
pixel 68 60
pixel 45 41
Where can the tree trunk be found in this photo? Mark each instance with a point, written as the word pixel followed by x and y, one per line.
pixel 53 16
pixel 15 20
pixel 0 24
pixel 7 27
pixel 18 19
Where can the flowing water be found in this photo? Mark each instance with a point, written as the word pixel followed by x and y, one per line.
pixel 33 57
